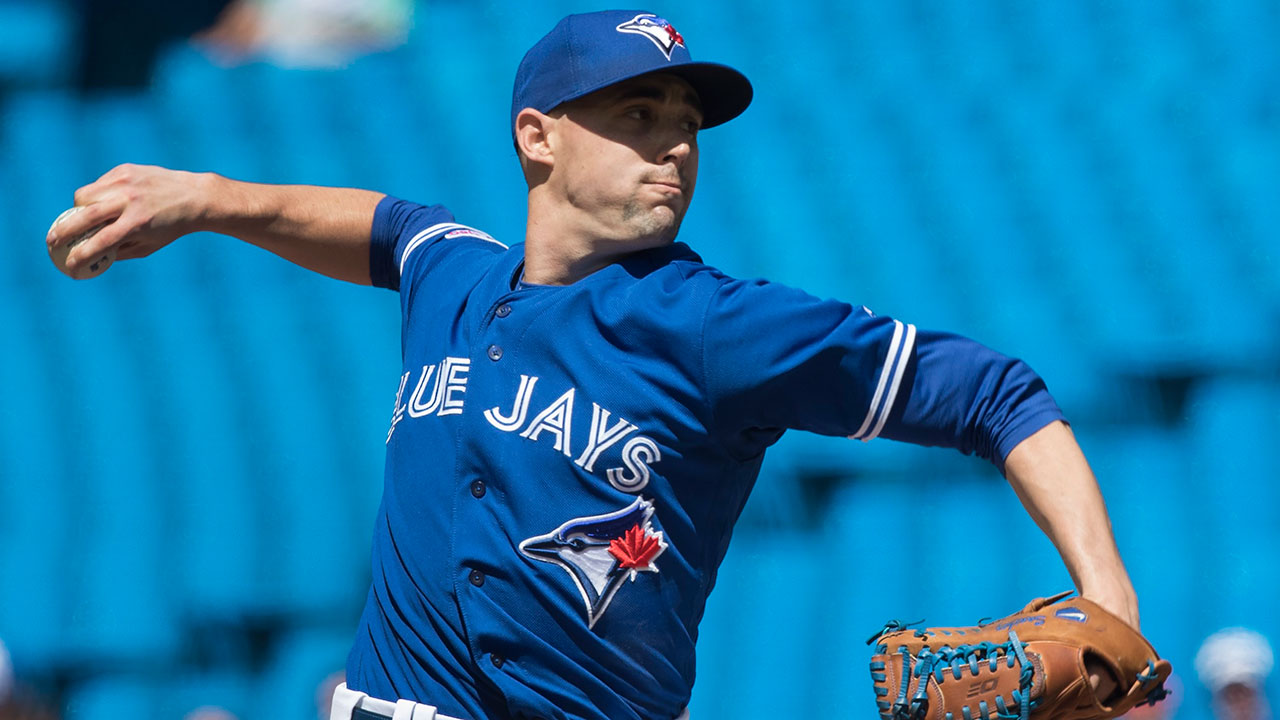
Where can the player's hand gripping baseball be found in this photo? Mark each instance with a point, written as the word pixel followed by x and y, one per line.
pixel 139 209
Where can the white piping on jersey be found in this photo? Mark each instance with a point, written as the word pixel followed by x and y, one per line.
pixel 884 378
pixel 897 380
pixel 436 229
pixel 895 363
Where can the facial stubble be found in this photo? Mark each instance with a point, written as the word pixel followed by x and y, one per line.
pixel 642 218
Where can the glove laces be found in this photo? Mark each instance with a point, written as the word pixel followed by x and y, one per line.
pixel 1155 694
pixel 956 660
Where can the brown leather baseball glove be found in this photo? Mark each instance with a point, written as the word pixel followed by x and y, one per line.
pixel 1028 665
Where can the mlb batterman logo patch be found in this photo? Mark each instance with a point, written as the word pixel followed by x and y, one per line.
pixel 601 552
pixel 662 33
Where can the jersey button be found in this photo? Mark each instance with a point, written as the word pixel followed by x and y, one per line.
pixel 497 660
pixel 477 489
pixel 476 577
pixel 495 353
pixel 503 310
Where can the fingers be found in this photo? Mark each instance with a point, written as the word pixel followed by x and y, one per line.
pixel 81 219
pixel 118 213
pixel 94 191
pixel 131 250
pixel 99 207
pixel 111 192
pixel 1101 679
pixel 95 246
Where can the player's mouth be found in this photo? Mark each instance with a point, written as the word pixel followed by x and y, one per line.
pixel 673 187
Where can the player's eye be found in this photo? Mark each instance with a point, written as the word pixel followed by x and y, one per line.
pixel 639 113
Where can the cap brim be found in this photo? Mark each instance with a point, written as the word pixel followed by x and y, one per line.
pixel 724 92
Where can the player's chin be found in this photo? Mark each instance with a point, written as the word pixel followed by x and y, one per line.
pixel 665 220
pixel 671 208
pixel 653 218
pixel 652 228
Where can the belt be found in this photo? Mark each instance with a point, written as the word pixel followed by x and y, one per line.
pixel 362 714
pixel 354 705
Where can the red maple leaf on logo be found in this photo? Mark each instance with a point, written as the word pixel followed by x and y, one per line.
pixel 636 549
pixel 676 37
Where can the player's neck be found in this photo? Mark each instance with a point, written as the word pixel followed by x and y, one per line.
pixel 550 265
pixel 562 246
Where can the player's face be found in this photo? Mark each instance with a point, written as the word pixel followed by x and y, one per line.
pixel 628 156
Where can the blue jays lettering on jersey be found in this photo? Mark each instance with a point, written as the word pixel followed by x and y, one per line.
pixel 565 464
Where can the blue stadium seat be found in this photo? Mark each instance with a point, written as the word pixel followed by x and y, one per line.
pixel 115 696
pixel 1152 495
pixel 1235 430
pixel 37 41
pixel 304 659
pixel 231 691
pixel 209 125
pixel 757 647
pixel 36 492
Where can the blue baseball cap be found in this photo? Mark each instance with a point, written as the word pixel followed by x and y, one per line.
pixel 588 52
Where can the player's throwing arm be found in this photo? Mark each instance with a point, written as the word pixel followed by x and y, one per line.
pixel 134 210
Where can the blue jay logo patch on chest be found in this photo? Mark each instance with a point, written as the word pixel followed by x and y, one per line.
pixel 601 552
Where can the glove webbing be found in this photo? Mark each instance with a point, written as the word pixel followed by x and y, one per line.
pixel 935 664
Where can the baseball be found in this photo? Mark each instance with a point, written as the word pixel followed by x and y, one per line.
pixel 58 254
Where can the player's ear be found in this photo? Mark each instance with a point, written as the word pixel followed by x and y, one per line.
pixel 533 136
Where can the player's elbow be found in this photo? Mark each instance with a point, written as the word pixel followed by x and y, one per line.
pixel 1018 405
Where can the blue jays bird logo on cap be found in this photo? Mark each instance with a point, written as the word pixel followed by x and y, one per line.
pixel 600 552
pixel 662 33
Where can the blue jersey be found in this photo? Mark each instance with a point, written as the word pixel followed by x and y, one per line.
pixel 565 464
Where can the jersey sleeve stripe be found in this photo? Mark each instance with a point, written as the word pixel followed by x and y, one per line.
pixel 884 379
pixel 898 373
pixel 422 237
pixel 437 229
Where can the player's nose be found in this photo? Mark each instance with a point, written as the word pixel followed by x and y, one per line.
pixel 676 153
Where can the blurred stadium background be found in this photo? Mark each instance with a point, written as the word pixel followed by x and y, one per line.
pixel 191 446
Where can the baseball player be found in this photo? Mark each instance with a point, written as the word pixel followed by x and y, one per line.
pixel 581 417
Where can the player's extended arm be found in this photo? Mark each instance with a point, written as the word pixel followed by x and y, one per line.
pixel 967 396
pixel 1052 478
pixel 145 208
